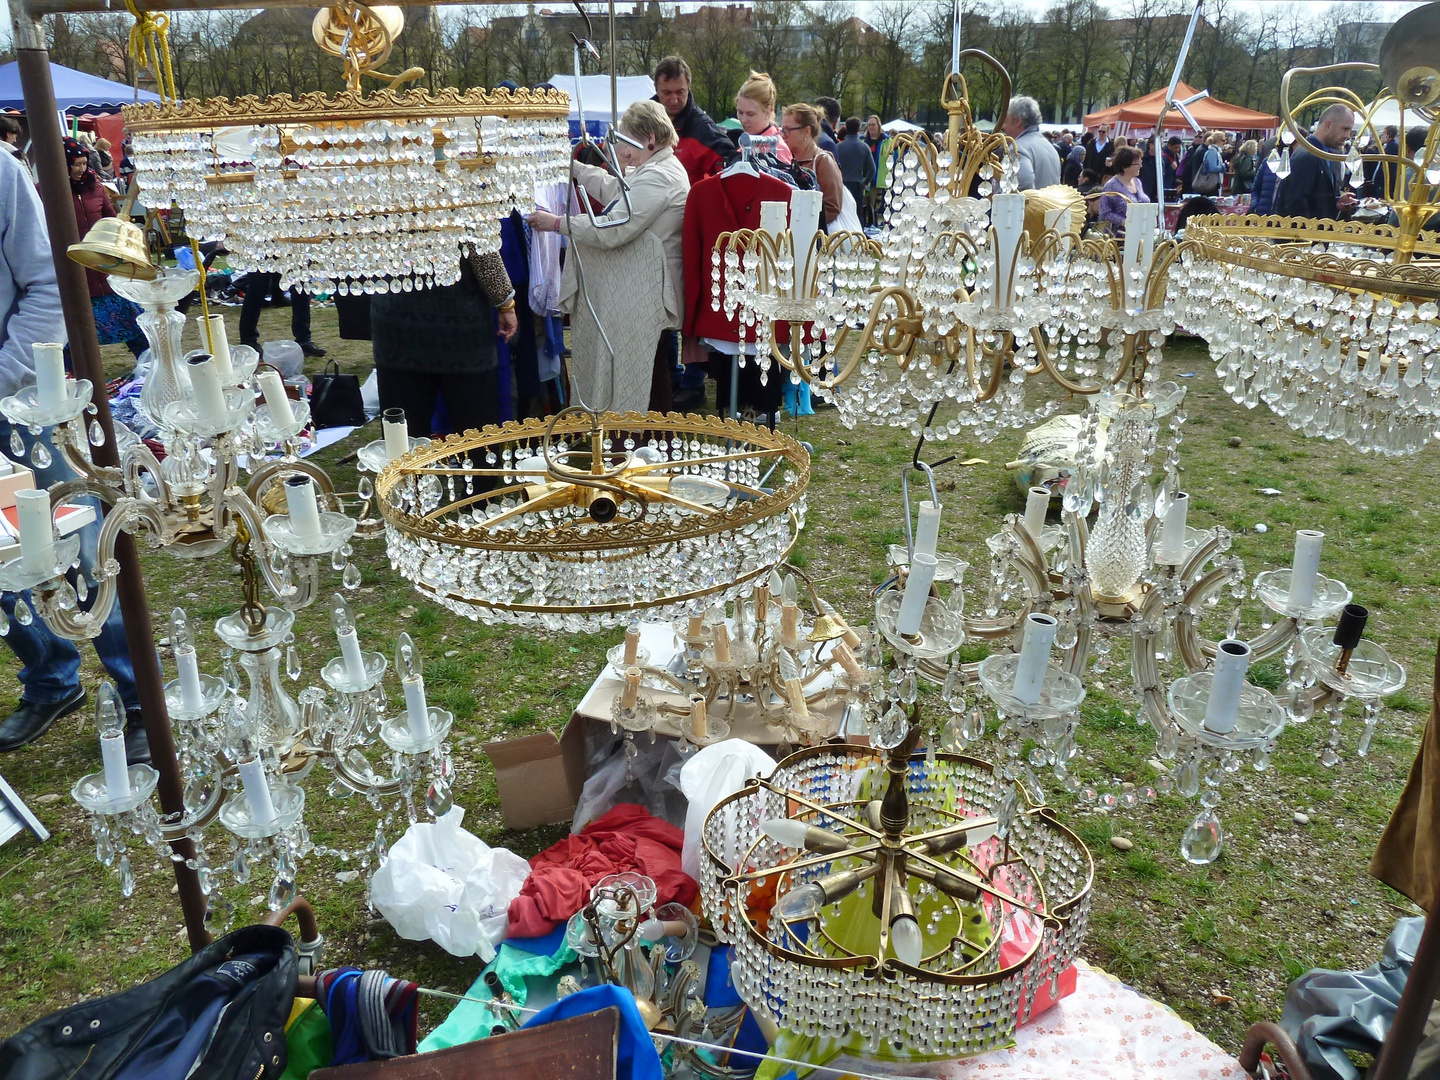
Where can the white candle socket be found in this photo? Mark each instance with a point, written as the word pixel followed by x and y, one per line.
pixel 206 387
pixel 117 773
pixel 927 532
pixel 1034 657
pixel 50 389
pixel 1232 662
pixel 805 208
pixel 1171 549
pixel 1305 568
pixel 37 535
pixel 219 346
pixel 397 433
pixel 300 503
pixel 917 592
pixel 282 413
pixel 1037 504
pixel 1007 218
pixel 632 643
pixel 257 792
pixel 410 668
pixel 699 724
pixel 773 217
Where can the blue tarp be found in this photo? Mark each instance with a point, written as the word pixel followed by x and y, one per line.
pixel 74 91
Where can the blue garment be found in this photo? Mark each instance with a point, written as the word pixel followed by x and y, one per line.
pixel 51 669
pixel 29 297
pixel 635 1057
pixel 797 398
pixel 1262 195
pixel 182 1033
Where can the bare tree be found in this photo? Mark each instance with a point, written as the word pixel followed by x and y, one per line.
pixel 890 54
pixel 1151 33
pixel 647 39
pixel 772 42
pixel 713 40
pixel 833 48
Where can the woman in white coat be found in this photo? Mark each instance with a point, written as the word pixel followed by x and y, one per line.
pixel 631 272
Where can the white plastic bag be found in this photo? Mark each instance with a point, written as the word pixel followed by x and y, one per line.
pixel 719 770
pixel 445 884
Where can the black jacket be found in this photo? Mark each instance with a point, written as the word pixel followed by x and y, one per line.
pixel 252 969
pixel 1311 190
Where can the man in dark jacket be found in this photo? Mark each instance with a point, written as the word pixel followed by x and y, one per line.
pixel 704 148
pixel 1315 187
pixel 1100 149
pixel 1262 194
pixel 1172 167
pixel 829 138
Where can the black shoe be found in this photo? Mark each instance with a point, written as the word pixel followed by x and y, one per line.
pixel 32 719
pixel 309 348
pixel 254 345
pixel 689 399
pixel 137 743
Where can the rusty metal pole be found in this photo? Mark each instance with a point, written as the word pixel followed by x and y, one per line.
pixel 49 153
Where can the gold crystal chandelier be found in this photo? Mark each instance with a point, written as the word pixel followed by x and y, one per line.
pixel 362 191
pixel 584 519
pixel 1334 324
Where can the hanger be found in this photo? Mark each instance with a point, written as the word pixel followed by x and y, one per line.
pixel 750 145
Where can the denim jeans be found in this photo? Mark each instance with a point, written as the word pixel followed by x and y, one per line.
pixel 51 670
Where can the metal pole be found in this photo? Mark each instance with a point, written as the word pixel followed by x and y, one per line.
pixel 614 74
pixel 1165 108
pixel 955 41
pixel 49 153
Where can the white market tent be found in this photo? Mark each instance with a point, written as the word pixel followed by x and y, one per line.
pixel 595 94
pixel 896 127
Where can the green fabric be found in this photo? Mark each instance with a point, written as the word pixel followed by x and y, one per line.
pixel 472 1020
pixel 307 1043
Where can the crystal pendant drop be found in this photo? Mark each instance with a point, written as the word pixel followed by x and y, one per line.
pixel 351 578
pixel 1167 742
pixel 890 731
pixel 17 444
pixel 242 867
pixel 438 799
pixel 282 891
pixel 382 849
pixel 82 588
pixel 4 624
pixel 338 559
pixel 23 615
pixel 1005 812
pixel 1203 840
pixel 1330 757
pixel 365 488
pixel 230 673
pixel 96 433
pixel 1187 778
pixel 127 876
pixel 219 912
pixel 40 455
pixel 292 662
pixel 1363 748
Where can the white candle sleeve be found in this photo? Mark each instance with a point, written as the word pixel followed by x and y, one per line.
pixel 632 645
pixel 1305 568
pixel 117 773
pixel 417 712
pixel 208 393
pixel 37 537
pixel 282 413
pixel 350 652
pixel 773 217
pixel 917 592
pixel 1232 661
pixel 192 695
pixel 1007 216
pixel 300 502
pixel 699 723
pixel 722 643
pixel 805 210
pixel 1034 657
pixel 50 389
pixel 927 532
pixel 397 435
pixel 1171 549
pixel 257 791
pixel 1037 504
pixel 219 346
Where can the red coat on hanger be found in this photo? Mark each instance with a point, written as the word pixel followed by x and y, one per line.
pixel 719 204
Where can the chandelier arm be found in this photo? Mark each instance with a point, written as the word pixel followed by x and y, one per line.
pixel 682 463
pixel 559 497
pixel 302 591
pixel 985 887
pixel 864 851
pixel 867 335
pixel 644 494
pixel 1003 351
pixel 69 440
pixel 820 808
pixel 1326 95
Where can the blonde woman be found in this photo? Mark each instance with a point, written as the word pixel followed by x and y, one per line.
pixel 1245 165
pixel 632 272
pixel 755 109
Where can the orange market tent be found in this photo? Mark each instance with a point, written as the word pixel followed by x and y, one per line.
pixel 1138 116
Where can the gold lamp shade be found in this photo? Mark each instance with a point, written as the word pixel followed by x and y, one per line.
pixel 1410 57
pixel 115 246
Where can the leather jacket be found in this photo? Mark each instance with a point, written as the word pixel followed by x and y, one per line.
pixel 248 977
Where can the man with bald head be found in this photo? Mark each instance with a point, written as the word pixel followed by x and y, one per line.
pixel 1315 187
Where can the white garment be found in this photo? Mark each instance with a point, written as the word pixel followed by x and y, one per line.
pixel 633 278
pixel 545 248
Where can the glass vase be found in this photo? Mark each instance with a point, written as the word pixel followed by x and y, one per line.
pixel 163 325
pixel 273 712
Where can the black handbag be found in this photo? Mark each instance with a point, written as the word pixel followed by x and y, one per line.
pixel 335 399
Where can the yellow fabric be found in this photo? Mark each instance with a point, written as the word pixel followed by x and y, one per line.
pixel 298 1006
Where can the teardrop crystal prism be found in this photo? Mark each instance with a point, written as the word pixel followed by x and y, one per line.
pixel 96 433
pixel 365 488
pixel 127 876
pixel 438 799
pixel 219 912
pixel 1203 840
pixel 242 867
pixel 351 577
pixel 1187 778
pixel 23 615
pixel 292 665
pixel 17 443
pixel 40 455
pixel 282 891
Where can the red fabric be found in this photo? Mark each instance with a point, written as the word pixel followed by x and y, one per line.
pixel 92 203
pixel 716 205
pixel 626 838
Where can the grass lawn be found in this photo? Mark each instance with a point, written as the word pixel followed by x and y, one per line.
pixel 1218 945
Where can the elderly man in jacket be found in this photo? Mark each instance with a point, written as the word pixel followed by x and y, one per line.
pixel 1039 166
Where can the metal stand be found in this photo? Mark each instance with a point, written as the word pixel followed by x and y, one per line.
pixel 60 221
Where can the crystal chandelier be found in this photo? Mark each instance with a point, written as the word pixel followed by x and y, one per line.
pixel 1333 324
pixel 358 192
pixel 926 912
pixel 584 520
pixel 243 754
pixel 806 676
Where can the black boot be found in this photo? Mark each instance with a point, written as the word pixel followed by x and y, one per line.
pixel 137 743
pixel 31 720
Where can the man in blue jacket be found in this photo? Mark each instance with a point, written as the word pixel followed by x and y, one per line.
pixel 1315 187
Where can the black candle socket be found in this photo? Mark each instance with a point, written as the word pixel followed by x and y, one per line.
pixel 1351 627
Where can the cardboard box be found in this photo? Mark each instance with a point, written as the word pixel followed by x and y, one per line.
pixel 19 478
pixel 531 781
